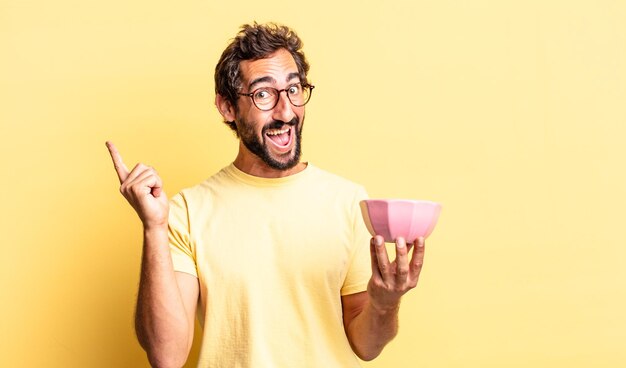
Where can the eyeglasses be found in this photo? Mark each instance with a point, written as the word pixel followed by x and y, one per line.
pixel 266 98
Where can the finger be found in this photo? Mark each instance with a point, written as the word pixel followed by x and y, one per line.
pixel 375 271
pixel 137 171
pixel 402 262
pixel 149 183
pixel 157 188
pixel 131 186
pixel 384 267
pixel 157 191
pixel 417 260
pixel 137 178
pixel 118 163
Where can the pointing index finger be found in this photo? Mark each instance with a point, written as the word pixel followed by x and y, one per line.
pixel 118 163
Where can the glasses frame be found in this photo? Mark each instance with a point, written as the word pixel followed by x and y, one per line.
pixel 278 92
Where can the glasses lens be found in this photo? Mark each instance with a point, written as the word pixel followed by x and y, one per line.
pixel 295 94
pixel 265 98
pixel 299 95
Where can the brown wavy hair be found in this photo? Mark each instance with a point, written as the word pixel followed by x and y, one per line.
pixel 255 41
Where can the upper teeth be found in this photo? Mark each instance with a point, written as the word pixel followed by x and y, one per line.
pixel 277 132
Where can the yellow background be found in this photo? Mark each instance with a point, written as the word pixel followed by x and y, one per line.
pixel 510 113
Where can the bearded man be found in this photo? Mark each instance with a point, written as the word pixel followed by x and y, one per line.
pixel 271 253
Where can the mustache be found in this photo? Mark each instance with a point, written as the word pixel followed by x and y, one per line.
pixel 277 124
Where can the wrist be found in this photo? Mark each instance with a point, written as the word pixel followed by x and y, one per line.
pixel 385 310
pixel 155 228
pixel 155 237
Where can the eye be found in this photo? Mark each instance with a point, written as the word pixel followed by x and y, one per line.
pixel 262 94
pixel 294 90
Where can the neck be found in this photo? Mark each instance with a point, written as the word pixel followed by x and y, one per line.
pixel 251 164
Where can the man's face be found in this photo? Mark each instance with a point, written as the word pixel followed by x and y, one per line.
pixel 274 136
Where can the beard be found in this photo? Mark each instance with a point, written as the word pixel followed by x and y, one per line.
pixel 258 146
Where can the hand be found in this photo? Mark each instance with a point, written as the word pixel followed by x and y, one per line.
pixel 143 189
pixel 391 280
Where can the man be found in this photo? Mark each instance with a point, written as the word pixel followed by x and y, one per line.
pixel 272 250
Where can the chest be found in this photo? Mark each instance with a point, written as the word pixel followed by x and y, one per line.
pixel 276 242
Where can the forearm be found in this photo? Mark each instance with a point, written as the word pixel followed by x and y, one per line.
pixel 371 330
pixel 161 322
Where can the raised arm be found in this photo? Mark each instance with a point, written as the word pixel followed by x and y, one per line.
pixel 166 301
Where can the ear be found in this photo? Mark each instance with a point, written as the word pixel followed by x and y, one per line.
pixel 225 108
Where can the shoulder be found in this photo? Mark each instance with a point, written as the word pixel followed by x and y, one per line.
pixel 201 194
pixel 337 183
pixel 337 191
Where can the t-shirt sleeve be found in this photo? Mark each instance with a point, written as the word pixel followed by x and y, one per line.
pixel 181 248
pixel 360 269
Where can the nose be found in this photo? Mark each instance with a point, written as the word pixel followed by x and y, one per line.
pixel 283 111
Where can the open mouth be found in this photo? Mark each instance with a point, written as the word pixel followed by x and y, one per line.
pixel 281 138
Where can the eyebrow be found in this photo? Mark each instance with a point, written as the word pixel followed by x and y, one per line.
pixel 269 79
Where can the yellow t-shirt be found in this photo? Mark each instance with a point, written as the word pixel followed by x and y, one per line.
pixel 274 257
